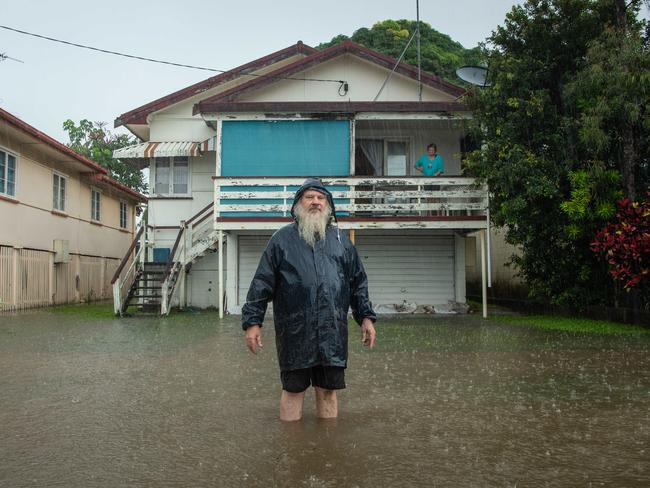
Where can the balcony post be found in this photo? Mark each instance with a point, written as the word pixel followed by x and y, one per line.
pixel 220 299
pixel 483 272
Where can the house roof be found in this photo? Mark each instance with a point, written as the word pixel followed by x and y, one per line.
pixel 139 115
pixel 325 55
pixel 105 179
pixel 53 143
pixel 101 173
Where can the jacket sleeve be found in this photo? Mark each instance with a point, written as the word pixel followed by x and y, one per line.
pixel 359 301
pixel 261 289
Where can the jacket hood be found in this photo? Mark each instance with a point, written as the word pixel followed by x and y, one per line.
pixel 317 185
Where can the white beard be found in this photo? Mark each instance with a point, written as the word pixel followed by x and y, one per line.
pixel 312 225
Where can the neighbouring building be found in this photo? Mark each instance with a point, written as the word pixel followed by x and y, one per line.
pixel 65 223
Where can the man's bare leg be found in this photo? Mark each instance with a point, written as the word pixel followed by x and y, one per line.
pixel 291 406
pixel 327 406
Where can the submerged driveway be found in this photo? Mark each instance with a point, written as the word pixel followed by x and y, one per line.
pixel 89 400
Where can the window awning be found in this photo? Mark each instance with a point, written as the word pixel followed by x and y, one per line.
pixel 147 150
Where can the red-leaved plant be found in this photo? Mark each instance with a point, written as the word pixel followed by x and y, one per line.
pixel 625 243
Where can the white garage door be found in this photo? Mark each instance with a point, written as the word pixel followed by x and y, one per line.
pixel 250 251
pixel 413 267
pixel 416 268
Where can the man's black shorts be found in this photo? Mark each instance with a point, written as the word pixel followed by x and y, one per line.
pixel 326 377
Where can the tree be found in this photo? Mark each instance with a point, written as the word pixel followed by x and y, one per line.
pixel 611 93
pixel 94 141
pixel 439 53
pixel 557 133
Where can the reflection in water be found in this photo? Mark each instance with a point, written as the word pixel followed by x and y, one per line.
pixel 439 402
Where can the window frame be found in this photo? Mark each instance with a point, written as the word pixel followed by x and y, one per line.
pixel 5 175
pixel 94 191
pixel 170 182
pixel 407 143
pixel 55 199
pixel 124 204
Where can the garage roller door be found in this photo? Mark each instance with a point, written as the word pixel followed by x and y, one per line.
pixel 415 268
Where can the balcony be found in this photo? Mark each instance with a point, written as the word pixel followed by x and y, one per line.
pixel 250 203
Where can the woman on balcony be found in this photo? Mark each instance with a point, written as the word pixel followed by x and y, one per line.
pixel 431 163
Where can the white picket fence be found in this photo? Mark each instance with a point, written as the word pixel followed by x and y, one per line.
pixel 29 278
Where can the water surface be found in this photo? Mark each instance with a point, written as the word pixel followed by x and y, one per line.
pixel 92 401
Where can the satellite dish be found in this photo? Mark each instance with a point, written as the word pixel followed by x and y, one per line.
pixel 475 75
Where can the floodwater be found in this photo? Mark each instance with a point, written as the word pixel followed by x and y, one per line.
pixel 441 401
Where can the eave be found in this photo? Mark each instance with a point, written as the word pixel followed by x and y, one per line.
pixel 214 110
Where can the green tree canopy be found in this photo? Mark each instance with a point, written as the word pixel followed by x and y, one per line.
pixel 564 130
pixel 94 141
pixel 439 53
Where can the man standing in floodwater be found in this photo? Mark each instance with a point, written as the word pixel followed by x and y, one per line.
pixel 313 274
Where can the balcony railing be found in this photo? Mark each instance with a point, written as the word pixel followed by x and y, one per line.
pixel 361 202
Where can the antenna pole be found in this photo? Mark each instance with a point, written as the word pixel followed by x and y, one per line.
pixel 417 14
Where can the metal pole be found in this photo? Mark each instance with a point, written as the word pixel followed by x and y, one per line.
pixel 417 13
pixel 489 250
pixel 483 273
pixel 399 60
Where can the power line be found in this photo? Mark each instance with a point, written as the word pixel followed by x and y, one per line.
pixel 4 57
pixel 170 63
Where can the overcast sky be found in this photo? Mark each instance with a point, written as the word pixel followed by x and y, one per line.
pixel 56 82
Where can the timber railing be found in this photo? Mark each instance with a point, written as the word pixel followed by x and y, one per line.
pixel 361 201
pixel 191 231
pixel 126 272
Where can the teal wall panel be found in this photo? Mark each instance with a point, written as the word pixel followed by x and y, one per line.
pixel 285 148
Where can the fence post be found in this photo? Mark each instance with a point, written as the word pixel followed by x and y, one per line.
pixel 51 289
pixel 77 279
pixel 102 277
pixel 14 277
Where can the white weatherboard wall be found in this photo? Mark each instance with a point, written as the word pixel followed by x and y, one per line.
pixel 364 81
pixel 203 281
pixel 170 211
pixel 251 248
pixel 415 267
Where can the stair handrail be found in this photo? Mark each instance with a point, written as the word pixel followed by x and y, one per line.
pixel 125 259
pixel 121 279
pixel 167 288
pixel 183 227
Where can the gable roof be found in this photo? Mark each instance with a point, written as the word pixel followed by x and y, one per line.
pixel 101 173
pixel 139 115
pixel 319 57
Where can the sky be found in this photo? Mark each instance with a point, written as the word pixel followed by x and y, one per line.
pixel 56 82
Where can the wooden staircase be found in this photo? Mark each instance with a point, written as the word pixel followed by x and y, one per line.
pixel 150 287
pixel 145 293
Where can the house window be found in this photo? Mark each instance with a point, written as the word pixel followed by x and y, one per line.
pixel 171 176
pixel 123 214
pixel 7 173
pixel 95 205
pixel 58 192
pixel 381 157
pixel 396 158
